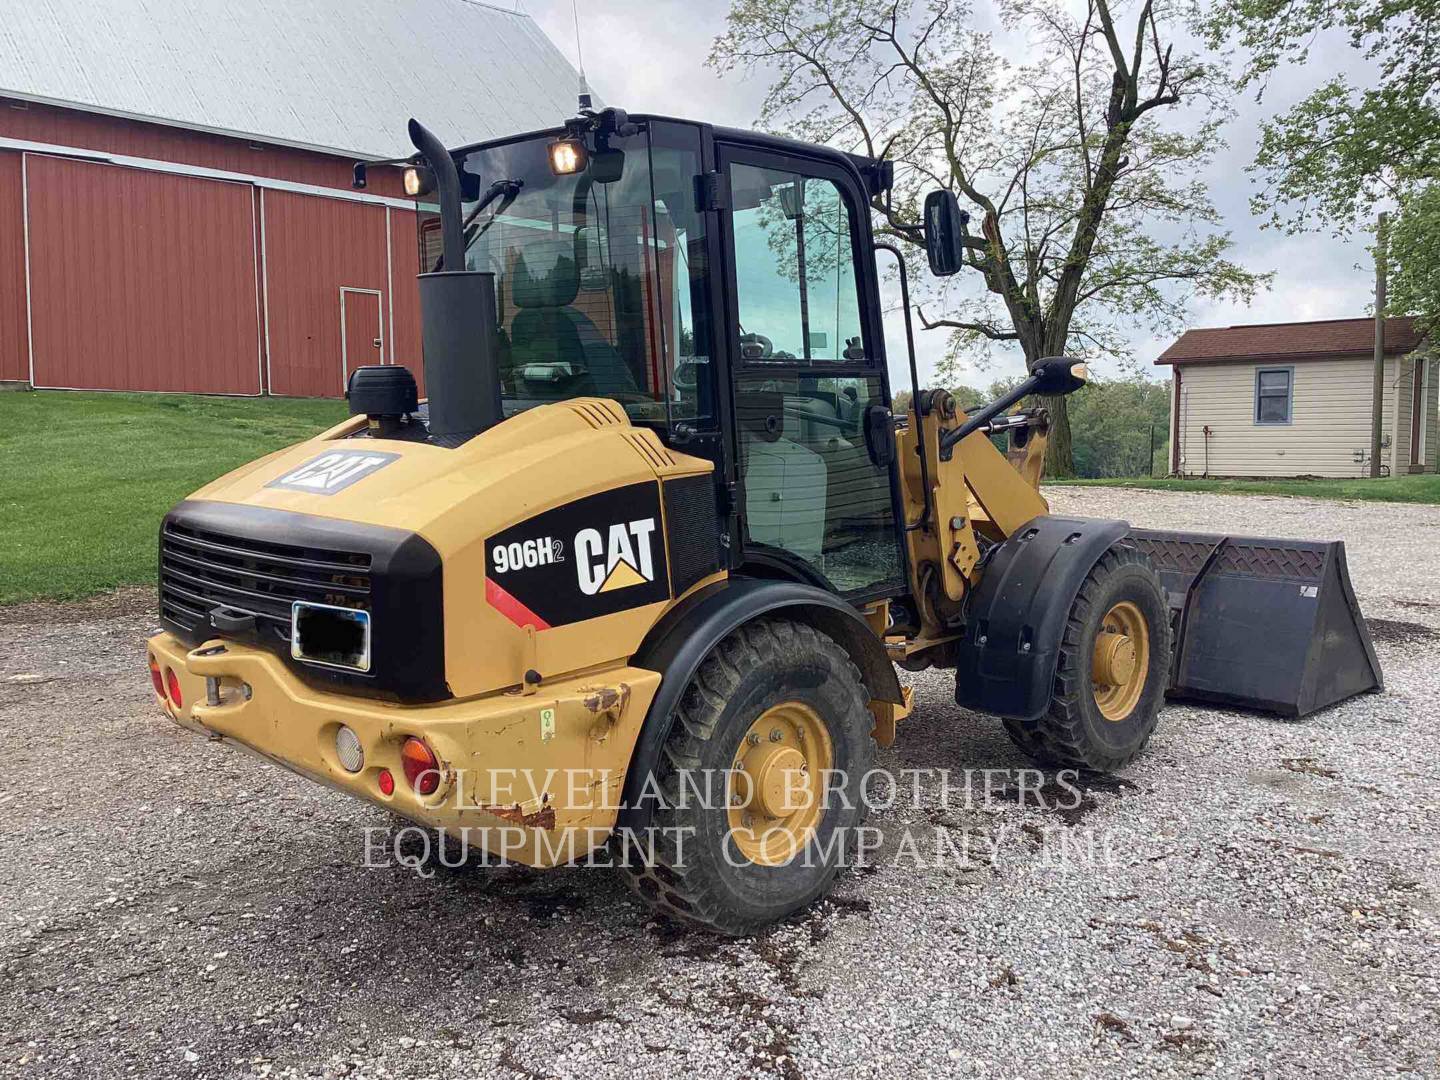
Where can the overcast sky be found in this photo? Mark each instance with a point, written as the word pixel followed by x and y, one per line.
pixel 649 56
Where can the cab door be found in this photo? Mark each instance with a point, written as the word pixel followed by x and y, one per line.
pixel 815 476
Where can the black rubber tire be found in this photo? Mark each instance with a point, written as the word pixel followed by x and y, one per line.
pixel 762 664
pixel 1072 733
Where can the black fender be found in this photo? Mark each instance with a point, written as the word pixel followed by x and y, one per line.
pixel 1014 620
pixel 679 643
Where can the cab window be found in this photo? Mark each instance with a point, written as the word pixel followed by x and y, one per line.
pixel 599 279
pixel 795 278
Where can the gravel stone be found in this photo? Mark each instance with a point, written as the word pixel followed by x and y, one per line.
pixel 1253 897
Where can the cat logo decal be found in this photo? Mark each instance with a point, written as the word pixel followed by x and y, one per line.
pixel 332 472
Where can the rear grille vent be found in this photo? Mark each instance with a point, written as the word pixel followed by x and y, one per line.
pixel 202 570
pixel 651 449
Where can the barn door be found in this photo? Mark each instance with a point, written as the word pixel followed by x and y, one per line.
pixel 362 331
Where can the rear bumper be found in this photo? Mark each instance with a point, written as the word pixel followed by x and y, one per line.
pixel 533 778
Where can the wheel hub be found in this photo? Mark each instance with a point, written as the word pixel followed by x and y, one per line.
pixel 1120 661
pixel 1114 658
pixel 774 803
pixel 779 780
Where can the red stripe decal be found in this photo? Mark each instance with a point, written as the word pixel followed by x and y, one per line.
pixel 511 608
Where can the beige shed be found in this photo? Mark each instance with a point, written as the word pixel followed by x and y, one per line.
pixel 1294 399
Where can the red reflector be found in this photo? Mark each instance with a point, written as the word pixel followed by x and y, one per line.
pixel 421 768
pixel 173 685
pixel 386 781
pixel 156 679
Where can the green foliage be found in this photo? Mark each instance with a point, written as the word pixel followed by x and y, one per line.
pixel 87 477
pixel 1415 258
pixel 1112 424
pixel 1328 161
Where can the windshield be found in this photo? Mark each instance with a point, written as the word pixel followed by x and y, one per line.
pixel 599 285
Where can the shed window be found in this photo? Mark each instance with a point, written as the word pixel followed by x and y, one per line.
pixel 1272 395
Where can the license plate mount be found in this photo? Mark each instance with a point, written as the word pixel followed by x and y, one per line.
pixel 330 636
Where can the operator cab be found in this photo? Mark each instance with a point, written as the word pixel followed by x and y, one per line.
pixel 720 286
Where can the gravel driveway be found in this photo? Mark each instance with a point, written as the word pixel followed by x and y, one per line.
pixel 1253 897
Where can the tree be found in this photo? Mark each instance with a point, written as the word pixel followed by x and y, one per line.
pixel 1414 250
pixel 1091 222
pixel 1327 161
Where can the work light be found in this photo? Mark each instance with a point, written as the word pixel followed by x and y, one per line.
pixel 567 156
pixel 418 181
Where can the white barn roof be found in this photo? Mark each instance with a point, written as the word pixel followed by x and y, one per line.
pixel 331 75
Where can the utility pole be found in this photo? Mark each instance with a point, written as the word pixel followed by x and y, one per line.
pixel 1377 392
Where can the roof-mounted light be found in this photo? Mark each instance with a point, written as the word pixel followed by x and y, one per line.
pixel 418 181
pixel 568 156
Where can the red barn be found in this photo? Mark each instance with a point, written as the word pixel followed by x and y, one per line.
pixel 175 203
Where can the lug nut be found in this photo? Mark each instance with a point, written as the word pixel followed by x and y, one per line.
pixel 775 735
pixel 753 739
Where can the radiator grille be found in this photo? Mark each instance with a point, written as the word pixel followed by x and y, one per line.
pixel 201 570
pixel 692 526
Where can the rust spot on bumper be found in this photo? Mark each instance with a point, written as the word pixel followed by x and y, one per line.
pixel 544 818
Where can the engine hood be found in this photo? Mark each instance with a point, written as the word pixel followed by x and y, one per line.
pixel 540 489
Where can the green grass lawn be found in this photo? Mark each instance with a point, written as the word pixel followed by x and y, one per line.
pixel 86 478
pixel 1411 489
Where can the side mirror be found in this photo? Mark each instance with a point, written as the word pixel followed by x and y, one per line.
pixel 944 241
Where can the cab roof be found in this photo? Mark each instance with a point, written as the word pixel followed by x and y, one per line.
pixel 877 173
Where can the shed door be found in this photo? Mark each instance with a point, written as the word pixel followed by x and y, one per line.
pixel 362 331
pixel 141 280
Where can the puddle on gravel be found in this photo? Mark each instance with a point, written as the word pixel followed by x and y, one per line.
pixel 1071 801
pixel 1398 632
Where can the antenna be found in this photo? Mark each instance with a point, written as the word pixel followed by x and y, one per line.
pixel 585 103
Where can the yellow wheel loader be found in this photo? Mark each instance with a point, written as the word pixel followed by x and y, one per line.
pixel 639 570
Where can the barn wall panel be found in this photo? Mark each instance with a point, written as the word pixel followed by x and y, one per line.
pixel 14 346
pixel 314 247
pixel 141 280
pixel 135 138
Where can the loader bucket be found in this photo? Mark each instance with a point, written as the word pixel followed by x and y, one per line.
pixel 1262 623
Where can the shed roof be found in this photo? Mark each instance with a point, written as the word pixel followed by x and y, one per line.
pixel 333 75
pixel 1328 339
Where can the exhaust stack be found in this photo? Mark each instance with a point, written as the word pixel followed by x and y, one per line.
pixel 457 318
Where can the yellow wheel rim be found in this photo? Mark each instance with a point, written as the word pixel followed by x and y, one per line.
pixel 776 787
pixel 1121 661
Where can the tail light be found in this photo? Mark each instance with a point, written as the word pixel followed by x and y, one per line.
pixel 386 781
pixel 156 679
pixel 422 770
pixel 173 685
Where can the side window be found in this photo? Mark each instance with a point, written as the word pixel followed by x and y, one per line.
pixel 794 268
pixel 1273 395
